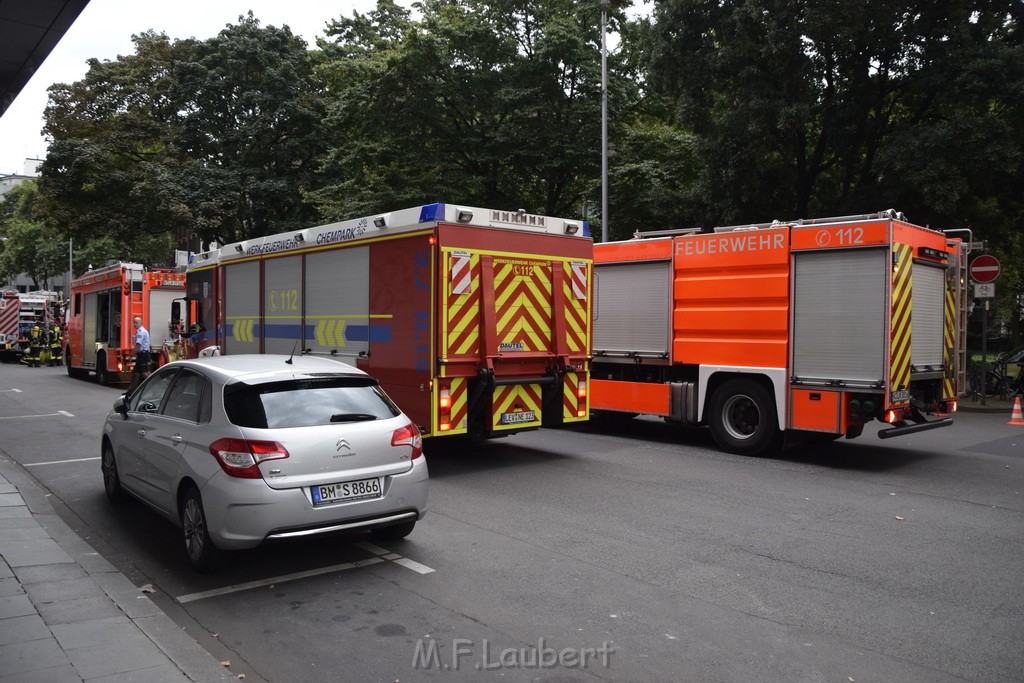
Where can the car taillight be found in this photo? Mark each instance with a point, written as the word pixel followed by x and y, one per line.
pixel 409 435
pixel 241 458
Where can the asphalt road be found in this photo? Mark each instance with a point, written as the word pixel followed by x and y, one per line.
pixel 636 549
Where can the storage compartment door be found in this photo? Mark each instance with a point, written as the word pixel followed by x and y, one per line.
pixel 928 299
pixel 839 315
pixel 242 308
pixel 159 307
pixel 338 302
pixel 632 308
pixel 282 305
pixel 90 326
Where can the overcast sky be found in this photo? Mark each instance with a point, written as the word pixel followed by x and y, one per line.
pixel 104 30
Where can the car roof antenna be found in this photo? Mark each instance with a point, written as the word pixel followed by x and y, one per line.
pixel 294 346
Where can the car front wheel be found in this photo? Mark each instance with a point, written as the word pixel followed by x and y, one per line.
pixel 202 554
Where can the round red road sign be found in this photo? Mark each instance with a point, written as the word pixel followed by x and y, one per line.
pixel 985 268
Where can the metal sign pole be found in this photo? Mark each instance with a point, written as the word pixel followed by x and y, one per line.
pixel 984 352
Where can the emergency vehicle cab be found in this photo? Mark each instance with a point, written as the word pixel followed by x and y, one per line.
pixel 101 306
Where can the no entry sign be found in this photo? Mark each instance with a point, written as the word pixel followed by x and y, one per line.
pixel 985 268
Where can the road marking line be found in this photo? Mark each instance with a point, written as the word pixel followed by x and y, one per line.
pixel 64 412
pixel 415 566
pixel 375 549
pixel 17 390
pixel 192 597
pixel 22 417
pixel 59 462
pixel 395 557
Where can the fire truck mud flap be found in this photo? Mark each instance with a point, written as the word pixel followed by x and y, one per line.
pixel 910 427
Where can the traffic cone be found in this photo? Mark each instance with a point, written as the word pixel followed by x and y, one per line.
pixel 1017 418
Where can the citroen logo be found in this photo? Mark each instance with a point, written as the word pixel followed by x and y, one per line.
pixel 342 445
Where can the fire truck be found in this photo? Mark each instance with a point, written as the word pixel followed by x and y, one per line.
pixel 19 313
pixel 101 306
pixel 782 330
pixel 475 321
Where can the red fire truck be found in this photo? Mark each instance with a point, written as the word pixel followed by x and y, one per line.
pixel 101 305
pixel 475 321
pixel 763 331
pixel 19 313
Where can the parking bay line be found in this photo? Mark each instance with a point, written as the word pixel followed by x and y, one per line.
pixel 22 417
pixel 381 555
pixel 59 462
pixel 393 557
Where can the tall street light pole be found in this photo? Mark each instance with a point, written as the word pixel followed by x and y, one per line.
pixel 605 4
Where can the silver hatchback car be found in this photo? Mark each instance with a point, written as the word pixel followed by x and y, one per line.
pixel 238 450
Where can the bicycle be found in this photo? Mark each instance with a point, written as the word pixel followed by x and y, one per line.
pixel 998 382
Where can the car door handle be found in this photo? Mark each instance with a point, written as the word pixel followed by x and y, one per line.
pixel 141 433
pixel 177 438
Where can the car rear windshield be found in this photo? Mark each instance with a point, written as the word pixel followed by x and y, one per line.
pixel 307 402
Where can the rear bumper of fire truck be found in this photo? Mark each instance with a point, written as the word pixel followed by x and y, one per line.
pixel 912 427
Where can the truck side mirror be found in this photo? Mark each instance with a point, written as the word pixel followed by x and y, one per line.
pixel 176 312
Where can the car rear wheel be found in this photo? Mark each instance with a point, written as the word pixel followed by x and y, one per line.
pixel 111 480
pixel 202 554
pixel 394 532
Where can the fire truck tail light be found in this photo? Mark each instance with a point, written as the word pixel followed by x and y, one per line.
pixel 891 416
pixel 445 401
pixel 951 406
pixel 581 390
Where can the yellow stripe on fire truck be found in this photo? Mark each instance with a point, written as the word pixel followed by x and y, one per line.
pixel 523 305
pixel 576 308
pixel 516 406
pixel 902 286
pixel 949 340
pixel 461 333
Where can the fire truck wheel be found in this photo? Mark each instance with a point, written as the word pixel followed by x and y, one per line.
pixel 101 369
pixel 111 480
pixel 742 418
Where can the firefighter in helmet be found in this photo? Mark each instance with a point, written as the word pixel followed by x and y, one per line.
pixel 56 345
pixel 35 346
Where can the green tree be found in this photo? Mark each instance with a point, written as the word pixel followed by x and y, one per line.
pixel 489 103
pixel 249 131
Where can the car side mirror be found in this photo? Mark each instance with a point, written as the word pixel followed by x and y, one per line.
pixel 121 407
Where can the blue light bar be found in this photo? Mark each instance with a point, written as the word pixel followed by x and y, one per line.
pixel 431 212
pixel 586 228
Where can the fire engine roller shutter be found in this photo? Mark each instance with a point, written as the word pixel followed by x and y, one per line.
pixel 338 301
pixel 241 307
pixel 160 316
pixel 282 304
pixel 839 315
pixel 926 315
pixel 632 307
pixel 90 322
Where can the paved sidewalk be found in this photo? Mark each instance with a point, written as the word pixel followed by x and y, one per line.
pixel 992 405
pixel 66 614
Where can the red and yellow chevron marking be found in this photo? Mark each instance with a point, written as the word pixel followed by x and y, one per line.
pixel 522 304
pixel 516 406
pixel 572 402
pixel 575 287
pixel 461 333
pixel 949 389
pixel 458 410
pixel 902 283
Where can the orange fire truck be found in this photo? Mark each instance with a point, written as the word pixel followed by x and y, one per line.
pixel 782 329
pixel 101 305
pixel 474 321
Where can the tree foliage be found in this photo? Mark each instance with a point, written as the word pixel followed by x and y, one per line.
pixel 488 103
